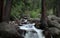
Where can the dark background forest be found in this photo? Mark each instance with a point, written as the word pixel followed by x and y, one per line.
pixel 46 12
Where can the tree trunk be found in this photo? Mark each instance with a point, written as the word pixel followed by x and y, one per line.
pixel 7 10
pixel 54 7
pixel 54 10
pixel 43 14
pixel 44 20
pixel 58 8
pixel 1 9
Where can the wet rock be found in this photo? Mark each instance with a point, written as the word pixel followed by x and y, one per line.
pixel 9 31
pixel 54 30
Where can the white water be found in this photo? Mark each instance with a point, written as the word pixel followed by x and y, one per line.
pixel 30 28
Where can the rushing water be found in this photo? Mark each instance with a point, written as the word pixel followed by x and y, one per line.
pixel 32 32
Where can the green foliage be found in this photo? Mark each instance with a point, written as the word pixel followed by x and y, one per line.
pixel 35 13
pixel 34 6
pixel 19 7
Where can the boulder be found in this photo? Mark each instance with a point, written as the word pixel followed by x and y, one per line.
pixel 9 31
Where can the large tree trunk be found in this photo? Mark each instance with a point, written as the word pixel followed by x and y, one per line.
pixel 43 14
pixel 1 9
pixel 7 10
pixel 44 20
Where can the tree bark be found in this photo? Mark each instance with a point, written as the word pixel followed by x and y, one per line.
pixel 43 14
pixel 44 20
pixel 1 9
pixel 7 10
